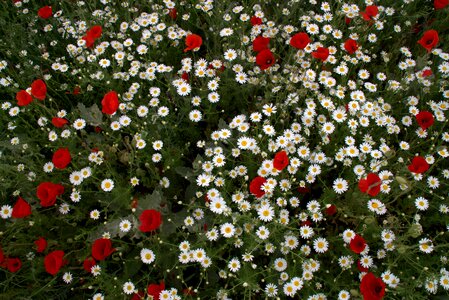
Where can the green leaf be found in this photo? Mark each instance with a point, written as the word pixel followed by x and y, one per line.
pixel 152 201
pixel 92 115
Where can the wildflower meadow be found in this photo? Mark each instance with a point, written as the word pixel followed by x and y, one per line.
pixel 214 149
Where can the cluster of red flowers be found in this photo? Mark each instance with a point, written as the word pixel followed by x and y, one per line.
pixel 38 91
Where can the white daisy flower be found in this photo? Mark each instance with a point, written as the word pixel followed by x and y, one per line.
pixel 125 226
pixel 147 256
pixel 128 288
pixel 107 185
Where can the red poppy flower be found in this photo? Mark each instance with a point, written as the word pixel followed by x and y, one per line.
pixel 188 292
pixel 150 220
pixel 92 35
pixel 2 258
pixel 321 53
pixel 280 160
pixel 260 43
pixel 427 72
pixel 59 122
pixel 173 13
pixel 255 21
pixel 140 295
pixel 185 76
pixel 21 209
pixel 102 248
pixel 41 244
pixel 303 190
pixel 193 41
pixel 90 41
pixel 110 103
pixel 76 90
pixel 425 119
pixel 429 40
pixel 154 290
pixel 440 4
pixel 39 89
pixel 13 264
pixel 357 244
pixel 351 46
pixel 372 288
pixel 360 267
pixel 419 165
pixel 88 264
pixel 95 32
pixel 45 12
pixel 370 185
pixel 255 187
pixel 53 261
pixel 23 98
pixel 300 40
pixel 370 12
pixel 331 210
pixel 47 193
pixel 265 59
pixel 61 158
